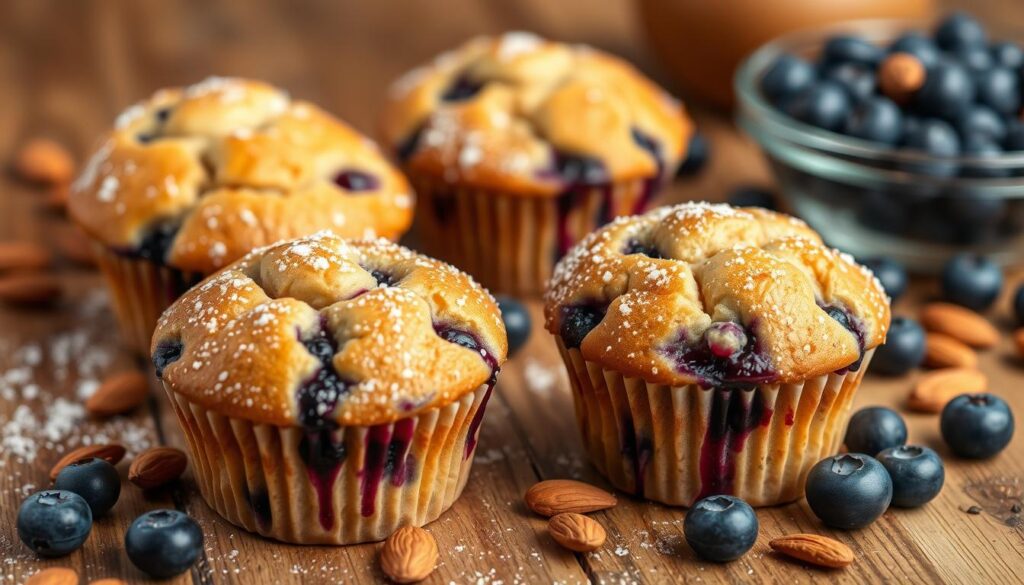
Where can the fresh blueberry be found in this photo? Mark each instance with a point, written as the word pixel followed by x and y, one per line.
pixel 903 349
pixel 720 528
pixel 972 281
pixel 848 491
pixel 825 104
pixel 752 196
pixel 859 80
pixel 890 273
pixel 95 480
pixel 1007 54
pixel 355 181
pixel 977 426
pixel 165 354
pixel 787 77
pixel 877 119
pixel 577 322
pixel 980 146
pixel 54 523
pixel 163 543
pixel 917 474
pixel 947 89
pixel 874 429
pixel 977 120
pixel 517 322
pixel 850 49
pixel 1018 304
pixel 919 46
pixel 697 154
pixel 999 89
pixel 1014 141
pixel 960 30
pixel 975 58
pixel 935 137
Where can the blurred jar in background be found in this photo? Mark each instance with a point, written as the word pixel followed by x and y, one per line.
pixel 701 42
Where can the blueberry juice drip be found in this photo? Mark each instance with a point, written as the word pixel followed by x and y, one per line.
pixel 474 425
pixel 744 369
pixel 387 454
pixel 730 422
pixel 648 143
pixel 853 325
pixel 580 175
pixel 470 341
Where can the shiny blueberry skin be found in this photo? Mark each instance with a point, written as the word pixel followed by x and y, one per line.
pixel 935 137
pixel 697 154
pixel 890 273
pixel 877 119
pixel 752 196
pixel 859 80
pixel 54 523
pixel 517 322
pixel 163 543
pixel 1007 54
pixel 165 354
pixel 1018 304
pixel 720 528
pixel 903 349
pixel 577 322
pixel 972 281
pixel 917 474
pixel 999 89
pixel 851 49
pixel 948 89
pixel 977 120
pixel 848 491
pixel 787 77
pixel 977 426
pixel 825 104
pixel 917 45
pixel 874 429
pixel 958 30
pixel 95 480
pixel 975 58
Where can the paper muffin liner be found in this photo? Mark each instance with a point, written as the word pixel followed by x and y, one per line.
pixel 407 472
pixel 678 444
pixel 511 242
pixel 140 291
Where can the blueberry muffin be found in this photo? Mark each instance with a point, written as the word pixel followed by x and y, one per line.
pixel 518 147
pixel 192 179
pixel 331 390
pixel 712 350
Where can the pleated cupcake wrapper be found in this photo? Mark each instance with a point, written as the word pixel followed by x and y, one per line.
pixel 688 442
pixel 509 242
pixel 140 291
pixel 255 477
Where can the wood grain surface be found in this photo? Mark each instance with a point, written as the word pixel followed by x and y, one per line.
pixel 68 67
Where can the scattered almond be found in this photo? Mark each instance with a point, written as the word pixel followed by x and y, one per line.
pixel 157 466
pixel 54 576
pixel 44 161
pixel 118 394
pixel 576 532
pixel 30 288
pixel 815 549
pixel 555 496
pixel 942 351
pixel 1018 340
pixel 935 389
pixel 24 256
pixel 409 555
pixel 112 452
pixel 900 75
pixel 960 323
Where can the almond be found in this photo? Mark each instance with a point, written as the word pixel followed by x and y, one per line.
pixel 118 394
pixel 112 453
pixel 814 549
pixel 960 323
pixel 24 256
pixel 576 532
pixel 30 288
pixel 942 351
pixel 409 555
pixel 54 576
pixel 935 389
pixel 1018 341
pixel 44 161
pixel 555 496
pixel 157 466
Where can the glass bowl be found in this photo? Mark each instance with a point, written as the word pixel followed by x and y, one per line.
pixel 869 199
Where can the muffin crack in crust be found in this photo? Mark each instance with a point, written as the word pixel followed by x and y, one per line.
pixel 715 295
pixel 196 177
pixel 321 331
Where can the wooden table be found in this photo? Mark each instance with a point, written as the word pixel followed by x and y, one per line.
pixel 67 68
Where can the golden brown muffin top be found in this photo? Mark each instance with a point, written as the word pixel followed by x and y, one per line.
pixel 322 329
pixel 519 113
pixel 716 295
pixel 199 176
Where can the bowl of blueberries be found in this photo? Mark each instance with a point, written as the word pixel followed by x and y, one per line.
pixel 895 138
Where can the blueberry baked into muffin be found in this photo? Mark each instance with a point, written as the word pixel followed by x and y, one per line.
pixel 331 390
pixel 518 147
pixel 194 178
pixel 712 350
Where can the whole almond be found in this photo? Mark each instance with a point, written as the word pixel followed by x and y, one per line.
pixel 118 394
pixel 112 453
pixel 942 351
pixel 555 496
pixel 576 532
pixel 934 389
pixel 54 576
pixel 409 555
pixel 24 256
pixel 814 549
pixel 900 75
pixel 157 466
pixel 960 323
pixel 29 288
pixel 44 161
